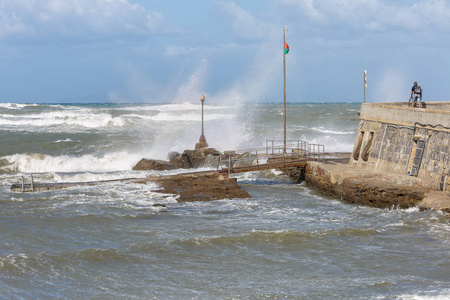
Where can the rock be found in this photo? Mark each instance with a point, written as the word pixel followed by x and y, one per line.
pixel 200 187
pixel 180 160
pixel 377 193
pixel 297 174
pixel 192 158
pixel 152 164
pixel 196 158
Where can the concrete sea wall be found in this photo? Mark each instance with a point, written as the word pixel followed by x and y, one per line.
pixel 398 139
pixel 368 187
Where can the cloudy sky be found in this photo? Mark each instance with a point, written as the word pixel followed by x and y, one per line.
pixel 60 51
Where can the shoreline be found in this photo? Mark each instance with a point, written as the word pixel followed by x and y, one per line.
pixel 336 177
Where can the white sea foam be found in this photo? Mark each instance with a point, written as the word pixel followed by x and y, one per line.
pixel 441 296
pixel 329 131
pixel 38 163
pixel 81 118
pixel 15 105
pixel 332 144
pixel 64 141
pixel 91 176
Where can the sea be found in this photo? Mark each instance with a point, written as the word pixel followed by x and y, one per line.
pixel 110 241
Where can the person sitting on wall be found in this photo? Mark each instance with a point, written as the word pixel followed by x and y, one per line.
pixel 416 92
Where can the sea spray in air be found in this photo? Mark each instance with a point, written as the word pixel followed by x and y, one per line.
pixel 154 130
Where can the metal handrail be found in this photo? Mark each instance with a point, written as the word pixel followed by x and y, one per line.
pixel 294 149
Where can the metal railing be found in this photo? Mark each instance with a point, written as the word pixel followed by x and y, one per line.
pixel 295 148
pixel 275 150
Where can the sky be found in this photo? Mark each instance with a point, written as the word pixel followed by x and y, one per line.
pixel 173 51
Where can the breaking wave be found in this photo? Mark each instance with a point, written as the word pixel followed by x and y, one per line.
pixel 39 163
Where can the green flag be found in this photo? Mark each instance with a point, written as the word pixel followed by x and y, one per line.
pixel 286 48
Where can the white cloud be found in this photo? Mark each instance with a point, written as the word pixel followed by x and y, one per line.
pixel 86 18
pixel 377 15
pixel 308 7
pixel 244 25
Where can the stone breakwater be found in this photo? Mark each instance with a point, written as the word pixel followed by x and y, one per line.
pixel 367 187
pixel 204 186
pixel 335 177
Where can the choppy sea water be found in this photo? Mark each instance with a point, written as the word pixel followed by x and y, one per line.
pixel 109 241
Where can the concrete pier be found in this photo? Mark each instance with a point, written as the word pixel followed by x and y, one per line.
pixel 401 158
pixel 368 187
pixel 395 138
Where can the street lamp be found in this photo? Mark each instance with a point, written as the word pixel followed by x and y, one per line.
pixel 202 141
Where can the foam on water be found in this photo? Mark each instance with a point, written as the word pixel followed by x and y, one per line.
pixel 443 295
pixel 39 163
pixel 66 141
pixel 15 105
pixel 70 119
pixel 329 131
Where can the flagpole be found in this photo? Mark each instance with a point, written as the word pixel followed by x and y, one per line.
pixel 284 88
pixel 365 85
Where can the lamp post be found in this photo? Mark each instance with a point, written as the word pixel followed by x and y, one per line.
pixel 202 141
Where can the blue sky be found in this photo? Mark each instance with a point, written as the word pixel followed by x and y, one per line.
pixel 54 51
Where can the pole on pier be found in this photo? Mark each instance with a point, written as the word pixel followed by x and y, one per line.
pixel 284 87
pixel 365 85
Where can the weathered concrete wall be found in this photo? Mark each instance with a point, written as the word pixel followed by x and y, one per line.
pixel 362 186
pixel 390 139
pixel 402 114
pixel 368 187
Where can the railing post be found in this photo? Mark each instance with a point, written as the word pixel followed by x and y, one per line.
pixel 32 183
pixel 323 153
pixel 229 164
pixel 22 184
pixel 257 160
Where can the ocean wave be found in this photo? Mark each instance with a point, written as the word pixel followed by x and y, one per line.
pixel 44 262
pixel 440 295
pixel 329 131
pixel 15 105
pixel 333 144
pixel 276 237
pixel 93 255
pixel 92 120
pixel 39 163
pixel 66 141
pixel 85 119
